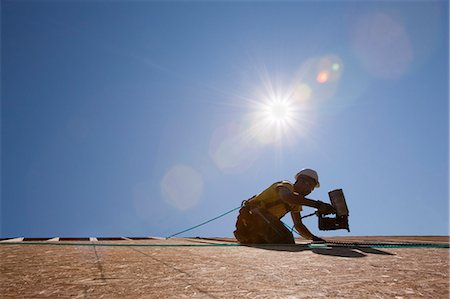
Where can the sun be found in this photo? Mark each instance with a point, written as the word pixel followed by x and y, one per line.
pixel 273 120
pixel 278 111
pixel 278 114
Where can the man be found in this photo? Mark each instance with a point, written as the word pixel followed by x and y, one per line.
pixel 259 217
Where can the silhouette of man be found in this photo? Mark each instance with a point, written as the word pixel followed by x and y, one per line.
pixel 259 217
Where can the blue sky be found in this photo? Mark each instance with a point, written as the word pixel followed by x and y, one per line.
pixel 146 118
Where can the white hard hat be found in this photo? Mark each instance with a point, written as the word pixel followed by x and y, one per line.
pixel 309 173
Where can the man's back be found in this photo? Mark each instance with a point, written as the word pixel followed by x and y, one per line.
pixel 270 200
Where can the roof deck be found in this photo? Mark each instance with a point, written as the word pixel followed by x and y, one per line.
pixel 150 267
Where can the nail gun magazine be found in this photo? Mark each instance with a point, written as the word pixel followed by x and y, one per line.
pixel 340 221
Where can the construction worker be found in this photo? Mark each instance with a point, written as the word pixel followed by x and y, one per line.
pixel 259 217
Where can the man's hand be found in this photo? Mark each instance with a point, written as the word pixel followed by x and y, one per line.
pixel 324 208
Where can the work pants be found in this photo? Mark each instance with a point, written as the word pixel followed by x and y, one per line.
pixel 257 226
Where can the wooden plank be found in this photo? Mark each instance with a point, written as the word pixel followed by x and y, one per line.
pixel 156 238
pixel 13 240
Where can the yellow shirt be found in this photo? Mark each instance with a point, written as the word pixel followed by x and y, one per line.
pixel 271 201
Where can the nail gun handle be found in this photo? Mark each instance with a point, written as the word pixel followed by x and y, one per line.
pixel 325 209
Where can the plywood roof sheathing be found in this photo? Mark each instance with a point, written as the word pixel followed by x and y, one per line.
pixel 13 240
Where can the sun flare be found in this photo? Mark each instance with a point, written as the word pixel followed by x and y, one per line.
pixel 278 112
pixel 273 119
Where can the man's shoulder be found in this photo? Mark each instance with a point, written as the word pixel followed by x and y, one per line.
pixel 285 184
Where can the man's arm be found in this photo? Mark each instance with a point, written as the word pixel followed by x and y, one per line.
pixel 302 229
pixel 292 198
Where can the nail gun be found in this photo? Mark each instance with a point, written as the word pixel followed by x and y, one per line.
pixel 341 220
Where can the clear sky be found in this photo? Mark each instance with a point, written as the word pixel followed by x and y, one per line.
pixel 146 118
